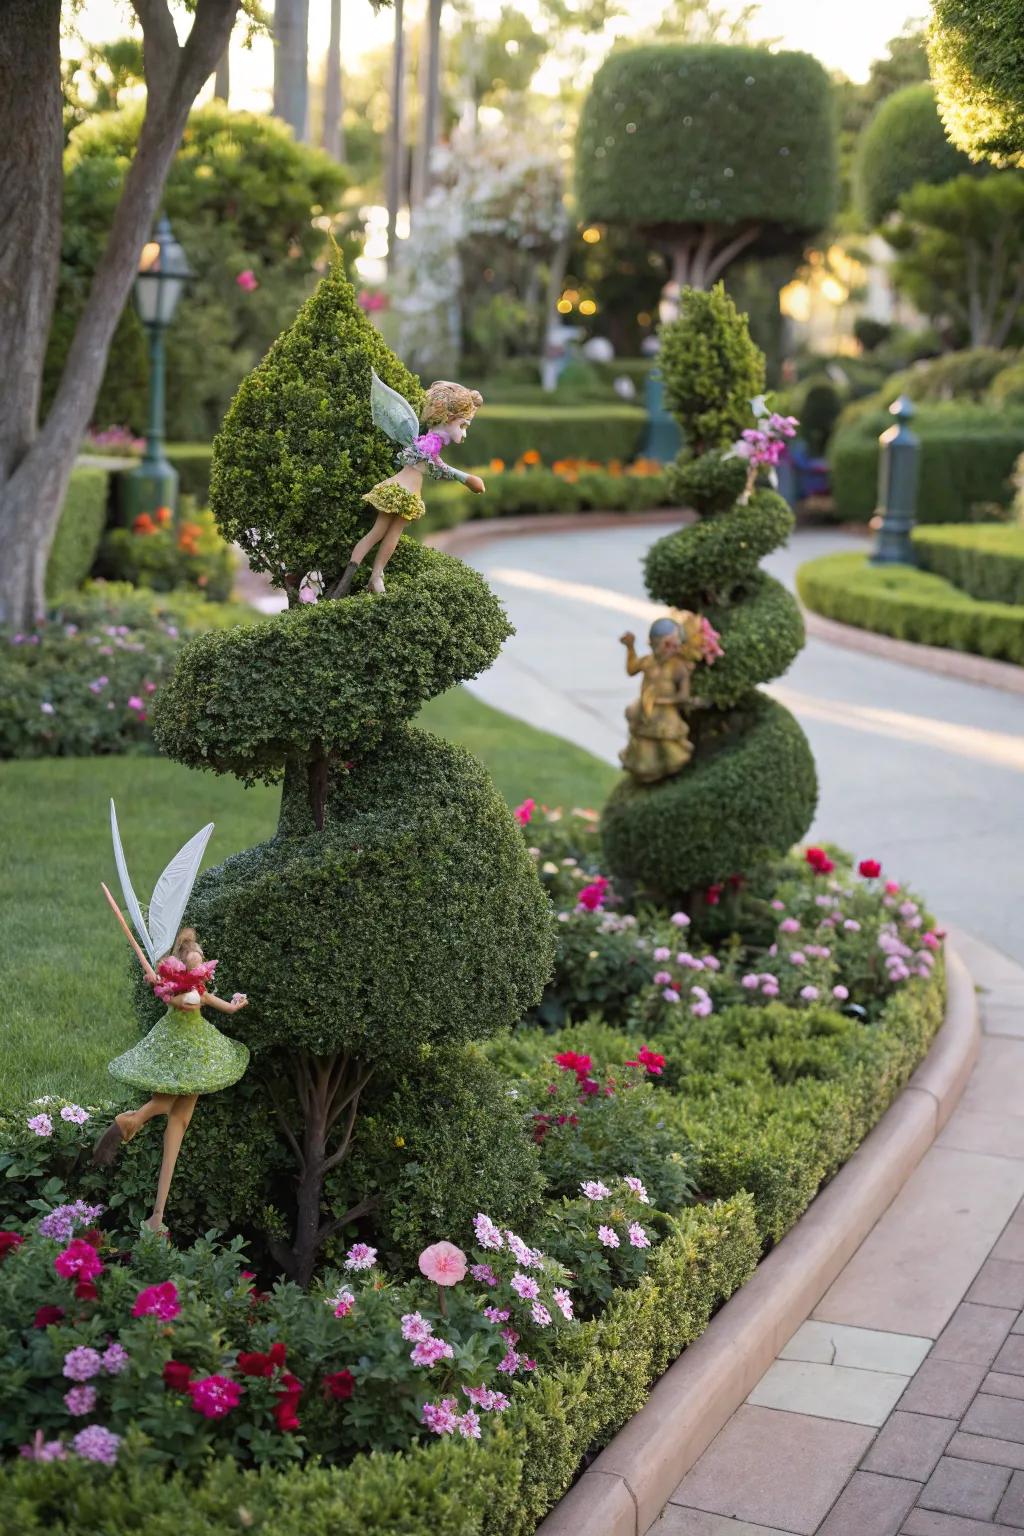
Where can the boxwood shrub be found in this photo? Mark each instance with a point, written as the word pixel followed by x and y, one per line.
pixel 79 531
pixel 986 563
pixel 967 459
pixel 910 605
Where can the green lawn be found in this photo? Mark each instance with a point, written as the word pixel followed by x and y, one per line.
pixel 62 959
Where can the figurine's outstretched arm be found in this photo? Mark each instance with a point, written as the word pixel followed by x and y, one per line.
pixel 147 969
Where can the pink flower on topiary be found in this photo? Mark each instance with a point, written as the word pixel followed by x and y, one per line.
pixel 343 1302
pixel 443 1263
pixel 524 1286
pixel 214 1396
pixel 441 1418
pixel 484 1274
pixel 428 1352
pixel 159 1301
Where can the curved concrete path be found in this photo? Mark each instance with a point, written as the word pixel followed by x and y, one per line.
pixel 924 772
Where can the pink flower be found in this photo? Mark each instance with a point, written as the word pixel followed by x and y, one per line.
pixel 595 1190
pixel 115 1359
pixel 43 1450
pixel 809 994
pixel 135 702
pixel 484 1274
pixel 635 1186
pixel 608 1237
pixel 497 1314
pixel 487 1234
pixel 94 1443
pixel 82 1363
pixel 842 993
pixel 416 1328
pixel 591 898
pixel 670 995
pixel 662 978
pixel 307 594
pixel 78 1260
pixel 530 1258
pixel 789 925
pixel 931 940
pixel 509 1363
pixel 361 1256
pixel 443 1263
pixel 430 445
pixel 892 887
pixel 42 1125
pixel 680 920
pixel 649 1060
pixel 74 1114
pixel 214 1396
pixel 540 1314
pixel 80 1401
pixel 428 1352
pixel 343 1302
pixel 524 1286
pixel 637 1236
pixel 770 989
pixel 247 281
pixel 711 642
pixel 750 981
pixel 158 1301
pixel 485 1398
pixel 798 958
pixel 441 1417
pixel 523 813
pixel 563 1301
pixel 469 1425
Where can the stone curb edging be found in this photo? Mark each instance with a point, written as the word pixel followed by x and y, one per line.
pixel 628 1485
pixel 929 658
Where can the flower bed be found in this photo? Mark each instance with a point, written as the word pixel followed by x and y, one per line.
pixel 529 486
pixel 698 1092
pixel 83 682
pixel 910 604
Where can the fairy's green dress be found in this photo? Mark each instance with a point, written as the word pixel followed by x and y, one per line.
pixel 183 1053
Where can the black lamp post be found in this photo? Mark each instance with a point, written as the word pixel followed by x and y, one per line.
pixel 159 285
pixel 898 473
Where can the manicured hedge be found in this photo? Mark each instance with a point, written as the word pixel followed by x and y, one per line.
pixel 514 493
pixel 985 562
pixel 192 461
pixel 79 531
pixel 967 458
pixel 910 605
pixel 903 145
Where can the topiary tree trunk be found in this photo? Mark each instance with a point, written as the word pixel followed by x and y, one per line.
pixel 396 913
pixel 750 789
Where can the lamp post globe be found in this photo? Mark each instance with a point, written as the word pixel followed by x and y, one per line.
pixel 160 282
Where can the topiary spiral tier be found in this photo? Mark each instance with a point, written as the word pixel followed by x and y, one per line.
pixel 396 914
pixel 750 789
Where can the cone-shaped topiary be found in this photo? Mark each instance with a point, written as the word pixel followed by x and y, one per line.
pixel 396 914
pixel 750 789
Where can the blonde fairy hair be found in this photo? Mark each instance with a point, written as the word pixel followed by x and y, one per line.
pixel 445 401
pixel 187 948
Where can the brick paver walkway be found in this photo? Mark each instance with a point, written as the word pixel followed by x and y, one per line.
pixel 898 1408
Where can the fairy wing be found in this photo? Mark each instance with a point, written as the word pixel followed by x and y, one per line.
pixel 131 901
pixel 172 891
pixel 392 412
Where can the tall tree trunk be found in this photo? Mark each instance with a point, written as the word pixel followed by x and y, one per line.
pixel 222 78
pixel 334 128
pixel 431 101
pixel 36 463
pixel 396 135
pixel 291 65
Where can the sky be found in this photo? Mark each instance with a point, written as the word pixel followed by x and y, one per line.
pixel 844 36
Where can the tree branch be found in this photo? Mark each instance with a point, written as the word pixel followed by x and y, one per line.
pixel 1010 312
pixel 330 1228
pixel 730 251
pixel 973 295
pixel 161 54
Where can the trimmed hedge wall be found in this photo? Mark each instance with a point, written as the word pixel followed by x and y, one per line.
pixel 967 458
pixel 512 494
pixel 82 520
pixel 505 432
pixel 910 605
pixel 986 563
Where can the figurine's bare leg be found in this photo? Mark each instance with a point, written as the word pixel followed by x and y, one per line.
pixel 388 545
pixel 178 1117
pixel 128 1124
pixel 368 540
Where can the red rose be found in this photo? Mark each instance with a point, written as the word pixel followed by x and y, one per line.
pixel 8 1242
pixel 47 1315
pixel 86 1290
pixel 869 868
pixel 339 1386
pixel 177 1375
pixel 285 1417
pixel 253 1363
pixel 713 895
pixel 819 861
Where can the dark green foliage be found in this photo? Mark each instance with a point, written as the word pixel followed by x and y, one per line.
pixel 762 634
pixel 711 483
pixel 79 531
pixel 298 449
pixel 903 145
pixel 711 369
pixel 974 52
pixel 414 918
pixel 664 139
pixel 967 459
pixel 330 674
pixel 818 415
pixel 241 195
pixel 871 333
pixel 910 605
pixel 956 376
pixel 442 1140
pixel 555 431
pixel 711 559
pixel 1007 389
pixel 750 790
pixel 521 493
pixel 986 563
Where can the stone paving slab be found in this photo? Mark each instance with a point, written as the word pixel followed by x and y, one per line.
pixel 866 1349
pixel 1000 1283
pixel 697 1522
pixel 975 1334
pixel 965 1488
pixel 870 1505
pixel 910 1446
pixel 830 1391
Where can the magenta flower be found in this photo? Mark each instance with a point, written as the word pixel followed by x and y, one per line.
pixel 497 1314
pixel 524 813
pixel 360 1256
pixel 214 1396
pixel 442 1263
pixel 79 1260
pixel 247 281
pixel 94 1443
pixel 428 1352
pixel 430 445
pixel 608 1236
pixel 80 1401
pixel 842 993
pixel 592 897
pixel 159 1301
pixel 441 1418
pixel 789 925
pixel 524 1286
pixel 343 1302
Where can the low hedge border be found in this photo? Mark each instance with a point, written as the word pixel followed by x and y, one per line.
pixel 912 605
pixel 985 562
pixel 77 541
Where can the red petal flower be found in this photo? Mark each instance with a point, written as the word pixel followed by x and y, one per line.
pixel 8 1242
pixel 86 1290
pixel 339 1386
pixel 47 1315
pixel 869 868
pixel 253 1363
pixel 177 1375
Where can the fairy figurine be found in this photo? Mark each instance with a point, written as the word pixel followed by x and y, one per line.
pixel 659 737
pixel 448 411
pixel 183 1055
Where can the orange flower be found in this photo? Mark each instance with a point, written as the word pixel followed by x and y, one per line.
pixel 163 515
pixel 144 524
pixel 496 466
pixel 615 468
pixel 531 456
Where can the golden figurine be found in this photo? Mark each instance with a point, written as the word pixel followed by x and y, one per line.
pixel 659 737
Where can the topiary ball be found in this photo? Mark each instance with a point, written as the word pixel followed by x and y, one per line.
pixel 709 484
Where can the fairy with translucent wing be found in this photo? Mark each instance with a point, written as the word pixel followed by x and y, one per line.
pixel 448 411
pixel 183 1055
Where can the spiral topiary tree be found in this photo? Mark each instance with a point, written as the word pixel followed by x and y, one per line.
pixel 395 915
pixel 750 789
